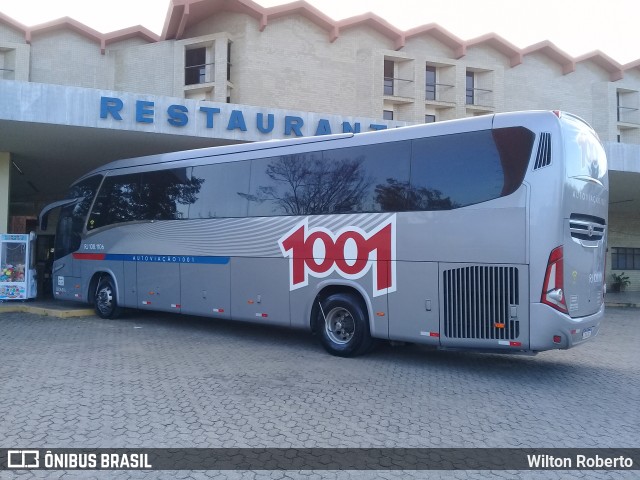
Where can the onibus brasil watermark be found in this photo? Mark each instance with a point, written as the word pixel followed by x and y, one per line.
pixel 321 459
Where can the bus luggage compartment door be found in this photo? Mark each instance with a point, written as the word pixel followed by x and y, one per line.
pixel 159 286
pixel 206 290
pixel 484 306
pixel 260 290
pixel 413 307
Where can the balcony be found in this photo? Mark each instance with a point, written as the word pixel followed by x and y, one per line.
pixel 7 74
pixel 199 74
pixel 628 117
pixel 398 90
pixel 479 100
pixel 440 95
pixel 199 81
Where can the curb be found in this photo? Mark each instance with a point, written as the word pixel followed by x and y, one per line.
pixel 47 312
pixel 622 305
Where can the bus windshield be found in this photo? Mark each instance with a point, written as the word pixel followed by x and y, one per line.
pixel 585 156
pixel 72 216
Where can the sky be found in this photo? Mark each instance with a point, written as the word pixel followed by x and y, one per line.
pixel 575 26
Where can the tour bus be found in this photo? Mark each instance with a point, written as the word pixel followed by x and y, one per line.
pixel 485 233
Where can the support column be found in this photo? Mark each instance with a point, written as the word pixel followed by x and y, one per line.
pixel 5 170
pixel 221 60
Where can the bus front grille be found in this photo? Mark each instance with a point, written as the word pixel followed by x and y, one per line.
pixel 481 302
pixel 586 227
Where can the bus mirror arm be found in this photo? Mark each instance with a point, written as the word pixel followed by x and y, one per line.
pixel 43 218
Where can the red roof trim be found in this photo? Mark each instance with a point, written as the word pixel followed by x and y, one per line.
pixel 605 62
pixel 131 32
pixel 67 23
pixel 182 14
pixel 379 24
pixel 443 36
pixel 631 65
pixel 13 23
pixel 554 53
pixel 498 43
pixel 304 9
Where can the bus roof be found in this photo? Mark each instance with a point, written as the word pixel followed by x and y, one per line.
pixel 396 134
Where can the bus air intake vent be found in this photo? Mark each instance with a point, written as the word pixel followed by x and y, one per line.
pixel 586 227
pixel 543 158
pixel 481 302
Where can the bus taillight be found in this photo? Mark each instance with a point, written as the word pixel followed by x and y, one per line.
pixel 553 287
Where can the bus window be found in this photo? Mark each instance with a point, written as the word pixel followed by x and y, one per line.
pixel 223 190
pixel 383 171
pixel 515 145
pixel 297 184
pixel 157 195
pixel 167 194
pixel 456 170
pixel 118 201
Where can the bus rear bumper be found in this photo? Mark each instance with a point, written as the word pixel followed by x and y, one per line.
pixel 551 329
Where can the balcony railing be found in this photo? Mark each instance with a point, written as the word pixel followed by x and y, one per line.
pixel 7 74
pixel 628 115
pixel 398 87
pixel 479 97
pixel 439 92
pixel 199 74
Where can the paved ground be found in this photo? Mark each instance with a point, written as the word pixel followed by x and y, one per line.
pixel 171 381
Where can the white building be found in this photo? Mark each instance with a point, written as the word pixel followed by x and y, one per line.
pixel 227 71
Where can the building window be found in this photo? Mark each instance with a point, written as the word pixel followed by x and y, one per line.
pixel 387 114
pixel 430 89
pixel 7 64
pixel 628 103
pixel 389 69
pixel 470 88
pixel 625 258
pixel 195 66
pixel 429 118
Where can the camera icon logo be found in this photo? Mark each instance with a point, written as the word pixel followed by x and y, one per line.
pixel 23 459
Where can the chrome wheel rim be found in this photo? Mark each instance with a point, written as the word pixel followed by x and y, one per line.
pixel 104 300
pixel 339 326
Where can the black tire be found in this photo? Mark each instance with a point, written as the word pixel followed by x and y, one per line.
pixel 343 325
pixel 106 300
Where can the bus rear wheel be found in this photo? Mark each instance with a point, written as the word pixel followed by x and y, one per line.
pixel 105 300
pixel 343 326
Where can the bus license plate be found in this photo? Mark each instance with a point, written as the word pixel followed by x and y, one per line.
pixel 586 333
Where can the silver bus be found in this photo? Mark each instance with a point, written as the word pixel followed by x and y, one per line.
pixel 484 233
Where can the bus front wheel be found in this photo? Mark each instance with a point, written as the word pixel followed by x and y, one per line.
pixel 343 325
pixel 105 301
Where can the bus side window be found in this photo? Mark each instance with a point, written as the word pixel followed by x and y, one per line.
pixel 118 201
pixel 167 194
pixel 453 171
pixel 223 190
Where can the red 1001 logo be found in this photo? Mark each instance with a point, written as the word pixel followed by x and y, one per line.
pixel 351 252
